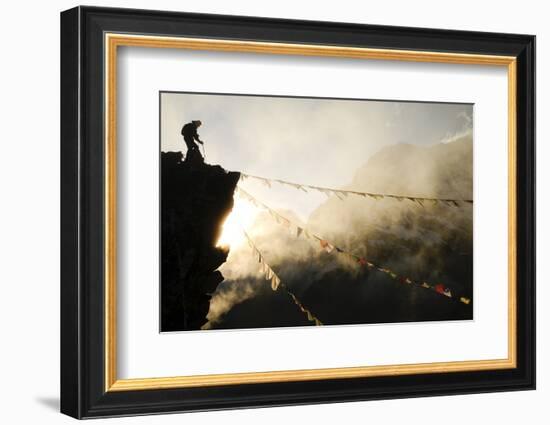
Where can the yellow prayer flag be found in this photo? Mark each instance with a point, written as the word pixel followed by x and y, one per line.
pixel 275 281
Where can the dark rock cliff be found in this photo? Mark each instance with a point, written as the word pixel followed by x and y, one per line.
pixel 195 199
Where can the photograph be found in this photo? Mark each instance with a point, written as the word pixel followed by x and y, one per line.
pixel 280 211
pixel 283 210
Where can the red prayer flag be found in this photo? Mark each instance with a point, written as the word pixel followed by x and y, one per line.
pixel 440 288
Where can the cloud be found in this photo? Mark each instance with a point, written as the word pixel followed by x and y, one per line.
pixel 228 294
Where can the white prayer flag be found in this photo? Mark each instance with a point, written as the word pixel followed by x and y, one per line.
pixel 275 281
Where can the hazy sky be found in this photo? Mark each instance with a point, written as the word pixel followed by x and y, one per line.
pixel 305 140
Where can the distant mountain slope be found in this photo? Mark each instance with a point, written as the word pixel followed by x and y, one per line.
pixel 441 170
pixel 432 242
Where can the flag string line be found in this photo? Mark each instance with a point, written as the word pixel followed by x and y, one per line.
pixel 342 192
pixel 329 248
pixel 276 283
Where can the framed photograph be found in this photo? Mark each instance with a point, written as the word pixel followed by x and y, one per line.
pixel 261 212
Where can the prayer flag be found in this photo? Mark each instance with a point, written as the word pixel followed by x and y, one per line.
pixel 439 288
pixel 465 300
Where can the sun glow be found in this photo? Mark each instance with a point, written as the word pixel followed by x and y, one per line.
pixel 241 217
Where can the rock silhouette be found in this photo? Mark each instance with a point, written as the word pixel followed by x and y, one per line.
pixel 195 199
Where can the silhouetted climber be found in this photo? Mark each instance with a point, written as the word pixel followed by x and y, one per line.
pixel 189 132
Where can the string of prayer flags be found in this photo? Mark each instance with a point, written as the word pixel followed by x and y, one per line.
pixel 329 247
pixel 342 193
pixel 276 283
pixel 308 313
pixel 439 288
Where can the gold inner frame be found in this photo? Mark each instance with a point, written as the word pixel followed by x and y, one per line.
pixel 113 41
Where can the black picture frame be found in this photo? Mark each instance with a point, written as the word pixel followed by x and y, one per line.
pixel 83 392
